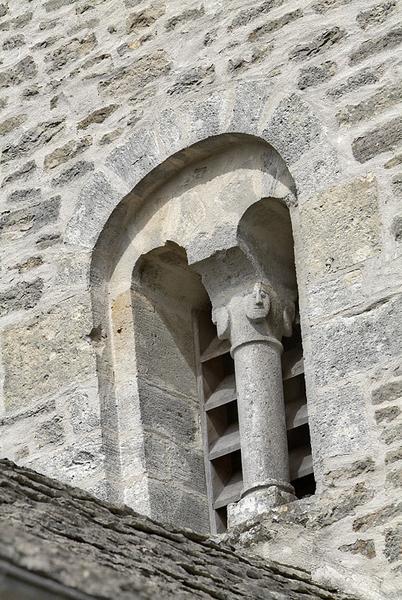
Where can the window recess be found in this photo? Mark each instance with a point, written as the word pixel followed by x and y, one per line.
pixel 220 422
pixel 294 389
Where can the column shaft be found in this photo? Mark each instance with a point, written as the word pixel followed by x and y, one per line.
pixel 261 413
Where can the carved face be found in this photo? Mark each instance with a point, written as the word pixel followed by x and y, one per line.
pixel 258 303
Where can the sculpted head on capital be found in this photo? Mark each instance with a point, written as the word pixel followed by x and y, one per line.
pixel 260 306
pixel 258 302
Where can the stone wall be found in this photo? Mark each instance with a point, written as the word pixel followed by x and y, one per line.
pixel 93 96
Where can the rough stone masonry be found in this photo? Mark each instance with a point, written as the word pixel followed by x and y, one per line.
pixel 112 115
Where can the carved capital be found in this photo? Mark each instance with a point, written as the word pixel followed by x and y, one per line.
pixel 257 315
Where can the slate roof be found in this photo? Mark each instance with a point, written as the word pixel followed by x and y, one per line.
pixel 66 543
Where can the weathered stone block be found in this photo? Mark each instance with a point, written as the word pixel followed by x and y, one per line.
pixel 378 517
pixel 66 152
pixel 387 414
pixel 385 98
pixel 33 139
pixel 352 344
pixel 344 429
pixel 393 544
pixel 190 14
pixel 342 227
pixel 392 434
pixel 71 51
pixel 196 77
pixel 145 17
pixel 28 194
pixel 371 47
pixel 364 547
pixel 18 22
pixel 52 5
pixel 311 76
pixel 83 415
pixel 79 169
pixel 50 433
pixel 97 116
pixel 296 127
pixel 393 162
pixel 274 25
pixel 397 183
pixel 22 296
pixel 11 123
pixel 164 412
pixel 356 469
pixel 344 506
pixel 318 45
pixel 172 462
pixel 394 478
pixel 387 392
pixel 393 456
pixel 366 76
pixel 30 219
pixel 141 72
pixel 20 73
pixel 245 16
pixel 396 229
pixel 111 136
pixel 377 14
pixel 323 6
pixel 48 352
pixel 27 265
pixel 174 505
pixel 15 41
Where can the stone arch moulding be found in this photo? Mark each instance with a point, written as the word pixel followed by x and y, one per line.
pixel 135 171
pixel 288 124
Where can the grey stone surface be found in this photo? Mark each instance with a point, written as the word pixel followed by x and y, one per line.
pixel 296 126
pixel 32 139
pixel 22 296
pixel 270 27
pixel 366 76
pixel 22 173
pixel 97 116
pixel 76 537
pixel 382 100
pixel 22 195
pixel 343 227
pixel 25 69
pixel 371 47
pixel 368 343
pixel 311 76
pixel 228 66
pixel 79 169
pixel 58 349
pixel 246 15
pixel 387 392
pixel 66 152
pixel 31 219
pixel 318 45
pixel 323 6
pixel 377 14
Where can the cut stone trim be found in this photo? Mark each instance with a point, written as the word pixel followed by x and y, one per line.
pixel 290 127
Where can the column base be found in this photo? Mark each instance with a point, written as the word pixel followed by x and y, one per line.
pixel 259 500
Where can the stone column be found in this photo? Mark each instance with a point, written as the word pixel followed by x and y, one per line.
pixel 255 324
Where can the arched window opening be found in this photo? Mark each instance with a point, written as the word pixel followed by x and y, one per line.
pixel 207 317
